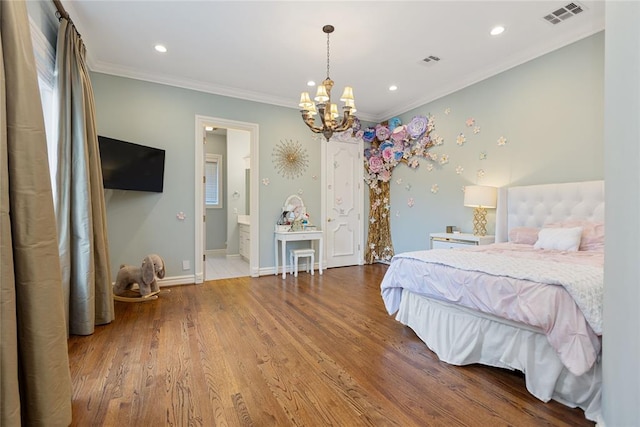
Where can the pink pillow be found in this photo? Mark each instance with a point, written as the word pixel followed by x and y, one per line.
pixel 592 233
pixel 524 235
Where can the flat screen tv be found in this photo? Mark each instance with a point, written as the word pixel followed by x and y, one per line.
pixel 128 166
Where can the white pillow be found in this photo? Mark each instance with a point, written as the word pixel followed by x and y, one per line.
pixel 560 239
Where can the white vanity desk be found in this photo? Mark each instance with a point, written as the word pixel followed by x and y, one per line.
pixel 293 214
pixel 294 236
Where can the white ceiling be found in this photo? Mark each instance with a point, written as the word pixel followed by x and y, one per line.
pixel 266 51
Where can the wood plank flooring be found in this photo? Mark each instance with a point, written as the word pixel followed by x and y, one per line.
pixel 307 351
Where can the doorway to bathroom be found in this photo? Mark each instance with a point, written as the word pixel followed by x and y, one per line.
pixel 226 199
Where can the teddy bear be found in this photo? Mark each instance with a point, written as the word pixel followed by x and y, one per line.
pixel 145 276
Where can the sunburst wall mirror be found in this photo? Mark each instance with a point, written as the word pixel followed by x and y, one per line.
pixel 290 159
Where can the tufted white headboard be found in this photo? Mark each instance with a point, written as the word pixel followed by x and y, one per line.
pixel 536 205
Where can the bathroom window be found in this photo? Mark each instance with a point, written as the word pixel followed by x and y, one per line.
pixel 213 180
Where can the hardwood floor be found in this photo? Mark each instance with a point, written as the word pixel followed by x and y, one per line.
pixel 313 350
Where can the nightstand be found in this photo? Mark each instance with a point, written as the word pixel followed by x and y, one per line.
pixel 458 240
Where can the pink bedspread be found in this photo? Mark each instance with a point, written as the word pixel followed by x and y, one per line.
pixel 547 307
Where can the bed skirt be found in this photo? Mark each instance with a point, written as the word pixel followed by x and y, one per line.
pixel 461 336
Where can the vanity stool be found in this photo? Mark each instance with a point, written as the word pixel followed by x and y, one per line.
pixel 295 254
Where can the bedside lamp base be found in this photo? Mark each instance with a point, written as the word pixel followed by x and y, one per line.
pixel 480 221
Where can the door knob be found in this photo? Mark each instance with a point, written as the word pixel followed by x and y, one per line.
pixel 329 219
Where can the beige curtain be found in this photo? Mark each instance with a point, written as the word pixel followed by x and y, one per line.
pixel 35 383
pixel 80 206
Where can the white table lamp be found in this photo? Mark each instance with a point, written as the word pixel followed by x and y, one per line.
pixel 480 197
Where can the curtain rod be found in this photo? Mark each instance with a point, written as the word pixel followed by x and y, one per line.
pixel 63 13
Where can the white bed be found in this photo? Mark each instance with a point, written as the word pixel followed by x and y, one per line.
pixel 557 348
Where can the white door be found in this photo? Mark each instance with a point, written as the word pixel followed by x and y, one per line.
pixel 343 200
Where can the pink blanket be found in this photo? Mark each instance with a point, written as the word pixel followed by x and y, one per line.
pixel 550 308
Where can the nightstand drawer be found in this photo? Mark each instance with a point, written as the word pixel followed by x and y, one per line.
pixel 441 244
pixel 458 240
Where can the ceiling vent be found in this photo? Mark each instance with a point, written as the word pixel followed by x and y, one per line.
pixel 564 13
pixel 431 60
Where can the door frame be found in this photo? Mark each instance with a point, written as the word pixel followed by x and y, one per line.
pixel 323 194
pixel 253 129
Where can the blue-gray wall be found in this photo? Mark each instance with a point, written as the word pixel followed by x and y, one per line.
pixel 550 110
pixel 164 117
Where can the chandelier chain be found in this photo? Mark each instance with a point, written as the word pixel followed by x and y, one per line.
pixel 327 55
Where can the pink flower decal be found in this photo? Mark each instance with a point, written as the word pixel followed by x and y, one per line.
pixel 387 154
pixel 399 134
pixel 382 133
pixel 375 164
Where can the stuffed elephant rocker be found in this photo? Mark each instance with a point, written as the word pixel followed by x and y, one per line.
pixel 145 276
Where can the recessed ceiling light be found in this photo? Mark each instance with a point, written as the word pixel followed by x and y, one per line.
pixel 393 87
pixel 208 128
pixel 311 83
pixel 160 48
pixel 499 29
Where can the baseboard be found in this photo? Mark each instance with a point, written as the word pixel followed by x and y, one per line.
pixel 266 271
pixel 177 280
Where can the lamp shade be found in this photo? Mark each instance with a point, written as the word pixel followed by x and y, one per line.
pixel 347 94
pixel 351 104
pixel 480 196
pixel 305 101
pixel 334 111
pixel 321 95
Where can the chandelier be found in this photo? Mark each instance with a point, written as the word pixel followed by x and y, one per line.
pixel 328 112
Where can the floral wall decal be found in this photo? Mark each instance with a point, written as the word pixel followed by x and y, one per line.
pixel 392 143
pixel 502 141
pixel 410 202
pixel 435 188
pixel 470 121
pixel 459 170
pixel 444 159
pixel 461 139
pixel 476 130
pixel 265 181
pixel 480 173
pixel 447 111
pixel 483 155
